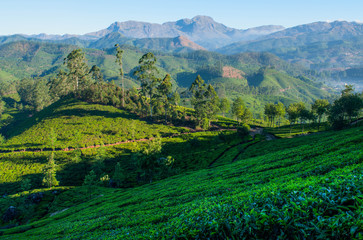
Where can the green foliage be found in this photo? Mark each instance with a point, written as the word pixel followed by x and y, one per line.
pixel 90 182
pixel 224 106
pixel 240 111
pixel 320 107
pixel 147 75
pixel 288 188
pixel 34 93
pixel 49 170
pixel 2 139
pixel 77 76
pixel 346 108
pixel 243 130
pixel 295 129
pixel 25 184
pixel 119 54
pixel 205 101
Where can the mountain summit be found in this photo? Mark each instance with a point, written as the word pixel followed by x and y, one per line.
pixel 201 29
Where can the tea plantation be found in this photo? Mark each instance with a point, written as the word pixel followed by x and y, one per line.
pixel 309 187
pixel 74 123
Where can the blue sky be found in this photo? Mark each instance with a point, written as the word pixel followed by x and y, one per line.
pixel 83 16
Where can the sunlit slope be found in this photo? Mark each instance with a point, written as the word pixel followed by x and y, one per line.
pixel 305 190
pixel 79 124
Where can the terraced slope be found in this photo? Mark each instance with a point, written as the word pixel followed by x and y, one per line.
pixel 310 189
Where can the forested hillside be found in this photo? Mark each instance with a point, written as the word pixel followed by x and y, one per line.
pixel 44 60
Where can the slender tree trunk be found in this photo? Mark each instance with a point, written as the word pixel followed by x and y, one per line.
pixel 123 92
pixel 319 119
pixel 302 127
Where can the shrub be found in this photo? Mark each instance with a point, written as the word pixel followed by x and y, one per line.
pixel 243 130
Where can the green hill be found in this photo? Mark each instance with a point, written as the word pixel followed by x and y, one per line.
pixel 27 59
pixel 81 132
pixel 307 187
pixel 79 124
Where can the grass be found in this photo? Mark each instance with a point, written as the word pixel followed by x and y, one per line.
pixel 312 189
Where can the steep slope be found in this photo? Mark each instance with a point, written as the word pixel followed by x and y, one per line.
pixel 296 191
pixel 285 85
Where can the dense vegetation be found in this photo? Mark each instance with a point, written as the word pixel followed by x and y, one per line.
pixel 188 172
pixel 45 60
pixel 303 190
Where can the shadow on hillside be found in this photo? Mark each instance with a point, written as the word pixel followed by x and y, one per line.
pixel 186 152
pixel 14 187
pixel 79 112
pixel 22 146
pixel 25 122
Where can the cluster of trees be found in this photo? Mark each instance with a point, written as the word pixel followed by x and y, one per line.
pixel 155 98
pixel 273 111
pixel 340 113
pixel 207 104
pixel 346 108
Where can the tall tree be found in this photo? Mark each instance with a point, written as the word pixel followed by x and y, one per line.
pixel 90 182
pixel 293 112
pixel 59 86
pixel 52 138
pixel 224 106
pixel 320 107
pixel 270 112
pixel 97 76
pixel 280 109
pixel 49 170
pixel 204 100
pixel 164 94
pixel 119 53
pixel 240 111
pixel 41 97
pixel 77 70
pixel 146 74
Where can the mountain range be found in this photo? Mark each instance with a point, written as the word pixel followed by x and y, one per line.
pixel 321 46
pixel 202 30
